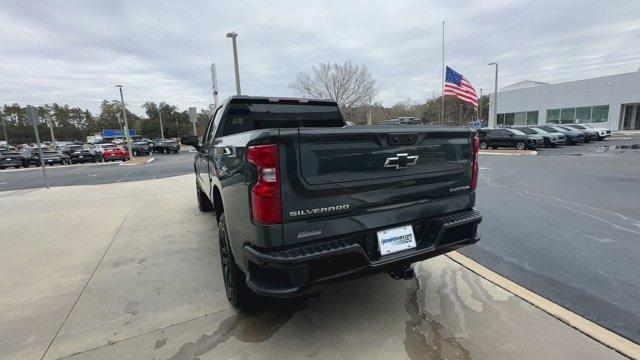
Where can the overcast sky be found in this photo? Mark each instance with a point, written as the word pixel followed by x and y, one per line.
pixel 74 52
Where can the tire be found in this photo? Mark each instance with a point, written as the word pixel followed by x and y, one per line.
pixel 165 151
pixel 204 204
pixel 547 143
pixel 135 153
pixel 16 167
pixel 484 145
pixel 521 145
pixel 235 286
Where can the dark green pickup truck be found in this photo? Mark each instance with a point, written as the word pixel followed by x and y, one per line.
pixel 301 198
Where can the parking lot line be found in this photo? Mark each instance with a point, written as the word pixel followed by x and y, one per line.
pixel 594 331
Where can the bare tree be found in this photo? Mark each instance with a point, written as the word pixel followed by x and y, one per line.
pixel 349 85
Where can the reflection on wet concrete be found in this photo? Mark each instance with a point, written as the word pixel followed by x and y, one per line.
pixel 425 335
pixel 446 312
pixel 254 327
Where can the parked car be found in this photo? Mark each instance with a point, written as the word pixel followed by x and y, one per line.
pixel 11 159
pixel 30 156
pixel 81 155
pixel 572 137
pixel 588 134
pixel 68 148
pixel 54 157
pixel 114 153
pixel 508 137
pixel 595 134
pixel 550 139
pixel 301 199
pixel 603 132
pixel 99 147
pixel 165 147
pixel 139 148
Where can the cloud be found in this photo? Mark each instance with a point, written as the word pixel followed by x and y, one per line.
pixel 74 52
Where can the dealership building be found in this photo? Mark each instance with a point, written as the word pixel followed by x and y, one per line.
pixel 609 101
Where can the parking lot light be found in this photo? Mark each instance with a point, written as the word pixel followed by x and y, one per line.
pixel 495 96
pixel 126 125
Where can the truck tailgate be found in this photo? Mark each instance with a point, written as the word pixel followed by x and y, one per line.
pixel 342 180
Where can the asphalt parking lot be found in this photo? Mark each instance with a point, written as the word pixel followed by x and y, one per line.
pixel 127 268
pixel 97 173
pixel 565 225
pixel 143 282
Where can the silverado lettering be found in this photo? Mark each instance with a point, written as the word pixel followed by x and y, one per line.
pixel 318 210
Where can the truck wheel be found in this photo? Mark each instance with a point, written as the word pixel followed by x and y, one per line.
pixel 204 204
pixel 238 292
pixel 520 145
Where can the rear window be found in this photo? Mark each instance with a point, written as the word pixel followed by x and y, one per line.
pixel 247 116
pixel 517 132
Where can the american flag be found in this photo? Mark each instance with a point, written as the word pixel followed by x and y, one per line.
pixel 457 85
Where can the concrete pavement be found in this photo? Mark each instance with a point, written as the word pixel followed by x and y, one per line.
pixel 142 281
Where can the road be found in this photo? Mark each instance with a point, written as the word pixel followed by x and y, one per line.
pixel 99 173
pixel 566 225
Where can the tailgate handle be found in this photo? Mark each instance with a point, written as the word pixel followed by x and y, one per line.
pixel 396 139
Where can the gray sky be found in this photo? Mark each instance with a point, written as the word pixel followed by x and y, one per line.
pixel 73 52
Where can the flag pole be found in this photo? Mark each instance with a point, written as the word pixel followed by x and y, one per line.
pixel 442 110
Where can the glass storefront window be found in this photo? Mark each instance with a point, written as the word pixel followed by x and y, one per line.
pixel 600 113
pixel 500 119
pixel 509 119
pixel 553 116
pixel 583 114
pixel 567 116
pixel 532 118
pixel 520 118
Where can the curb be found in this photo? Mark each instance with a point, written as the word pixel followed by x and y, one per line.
pixel 529 152
pixel 124 163
pixel 591 329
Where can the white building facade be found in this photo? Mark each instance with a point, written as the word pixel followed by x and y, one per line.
pixel 609 101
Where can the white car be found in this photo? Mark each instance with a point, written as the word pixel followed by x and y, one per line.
pixel 100 147
pixel 603 133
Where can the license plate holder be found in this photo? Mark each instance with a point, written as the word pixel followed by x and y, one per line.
pixel 396 239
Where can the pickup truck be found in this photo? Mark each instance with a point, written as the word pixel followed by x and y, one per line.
pixel 302 199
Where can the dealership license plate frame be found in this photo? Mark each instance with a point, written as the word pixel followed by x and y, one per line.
pixel 388 248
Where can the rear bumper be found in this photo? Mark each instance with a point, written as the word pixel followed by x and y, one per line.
pixel 291 271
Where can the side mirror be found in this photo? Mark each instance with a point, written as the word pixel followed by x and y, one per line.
pixel 190 140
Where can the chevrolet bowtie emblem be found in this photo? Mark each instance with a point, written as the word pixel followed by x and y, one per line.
pixel 401 161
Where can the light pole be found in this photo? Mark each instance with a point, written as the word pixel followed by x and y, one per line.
pixel 495 96
pixel 479 114
pixel 49 122
pixel 160 115
pixel 233 37
pixel 126 125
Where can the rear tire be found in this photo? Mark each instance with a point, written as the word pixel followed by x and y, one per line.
pixel 484 145
pixel 520 145
pixel 238 293
pixel 204 204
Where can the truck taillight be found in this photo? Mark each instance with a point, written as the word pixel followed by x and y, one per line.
pixel 475 169
pixel 265 195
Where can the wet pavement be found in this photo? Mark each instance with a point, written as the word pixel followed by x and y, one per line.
pixel 145 284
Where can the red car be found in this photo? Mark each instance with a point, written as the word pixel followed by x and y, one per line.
pixel 113 153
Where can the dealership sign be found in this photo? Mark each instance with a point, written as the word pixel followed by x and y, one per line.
pixel 117 133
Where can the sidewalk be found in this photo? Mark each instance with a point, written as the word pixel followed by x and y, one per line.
pixel 140 278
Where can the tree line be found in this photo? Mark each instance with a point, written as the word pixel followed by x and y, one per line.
pixel 74 123
pixel 352 86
